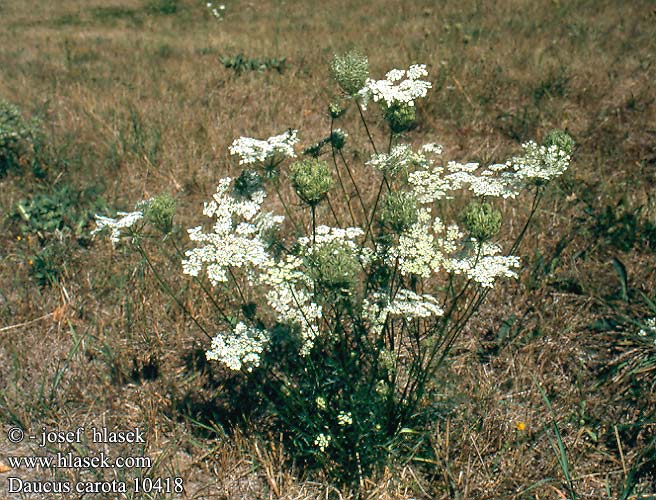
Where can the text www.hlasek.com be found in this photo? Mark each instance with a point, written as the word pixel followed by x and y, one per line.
pixel 70 461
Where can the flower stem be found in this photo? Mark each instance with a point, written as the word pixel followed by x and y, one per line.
pixel 366 127
pixel 165 286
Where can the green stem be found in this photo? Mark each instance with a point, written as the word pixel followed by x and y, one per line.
pixel 534 207
pixel 165 286
pixel 370 218
pixel 355 184
pixel 234 279
pixel 339 176
pixel 287 211
pixel 366 127
pixel 313 210
pixel 332 210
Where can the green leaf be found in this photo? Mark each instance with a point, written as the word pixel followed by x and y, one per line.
pixel 621 271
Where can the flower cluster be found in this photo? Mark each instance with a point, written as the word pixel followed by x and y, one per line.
pixel 240 348
pixel 159 211
pixel 124 220
pixel 537 165
pixel 406 304
pixel 482 263
pixel 399 87
pixel 431 184
pixel 236 240
pixel 326 234
pixel 416 251
pixel 400 158
pixel 252 150
pixel 322 441
pixel 427 246
pixel 344 418
pixel 540 164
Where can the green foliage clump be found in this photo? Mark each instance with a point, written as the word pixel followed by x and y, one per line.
pixel 164 7
pixel 241 63
pixel 17 137
pixel 312 179
pixel 48 264
pixel 350 71
pixel 64 209
pixel 112 13
pixel 622 227
pixel 482 220
pixel 338 414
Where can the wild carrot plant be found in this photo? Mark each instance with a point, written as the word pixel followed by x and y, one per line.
pixel 341 300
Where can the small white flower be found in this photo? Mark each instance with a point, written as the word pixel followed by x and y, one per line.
pixel 236 239
pixel 344 418
pixel 408 304
pixel 432 148
pixel 649 329
pixel 322 441
pixel 416 251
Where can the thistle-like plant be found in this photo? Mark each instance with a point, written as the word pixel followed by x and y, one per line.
pixel 346 305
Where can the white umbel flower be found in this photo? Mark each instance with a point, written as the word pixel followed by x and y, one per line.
pixel 432 148
pixel 124 220
pixel 408 304
pixel 377 308
pixel 239 349
pixel 416 251
pixel 395 90
pixel 483 264
pixel 252 150
pixel 540 163
pixel 649 329
pixel 326 234
pixel 400 159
